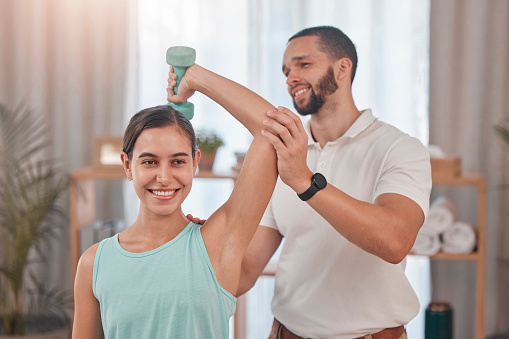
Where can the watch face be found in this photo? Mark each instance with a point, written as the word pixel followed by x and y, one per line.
pixel 319 180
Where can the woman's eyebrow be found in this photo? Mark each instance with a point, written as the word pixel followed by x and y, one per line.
pixel 147 154
pixel 150 155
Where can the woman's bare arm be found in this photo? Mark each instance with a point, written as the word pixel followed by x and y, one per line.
pixel 87 315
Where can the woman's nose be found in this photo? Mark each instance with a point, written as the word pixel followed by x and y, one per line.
pixel 164 176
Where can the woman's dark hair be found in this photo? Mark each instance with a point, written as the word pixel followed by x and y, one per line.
pixel 333 42
pixel 153 117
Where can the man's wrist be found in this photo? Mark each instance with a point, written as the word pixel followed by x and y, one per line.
pixel 318 182
pixel 303 183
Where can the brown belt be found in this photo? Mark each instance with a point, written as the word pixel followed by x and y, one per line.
pixel 282 332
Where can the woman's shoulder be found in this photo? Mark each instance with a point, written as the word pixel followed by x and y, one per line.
pixel 86 262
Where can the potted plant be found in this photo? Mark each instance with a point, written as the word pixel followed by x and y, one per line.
pixel 208 142
pixel 31 213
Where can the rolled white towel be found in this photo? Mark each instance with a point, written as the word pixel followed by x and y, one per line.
pixel 442 214
pixel 426 244
pixel 460 238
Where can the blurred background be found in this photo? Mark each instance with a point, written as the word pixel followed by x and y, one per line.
pixel 436 69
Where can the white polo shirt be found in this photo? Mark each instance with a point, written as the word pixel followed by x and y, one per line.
pixel 327 287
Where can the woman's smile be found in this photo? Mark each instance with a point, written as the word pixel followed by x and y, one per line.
pixel 163 194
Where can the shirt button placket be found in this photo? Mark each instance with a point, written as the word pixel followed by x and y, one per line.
pixel 322 163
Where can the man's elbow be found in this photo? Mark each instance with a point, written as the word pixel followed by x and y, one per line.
pixel 396 258
pixel 397 251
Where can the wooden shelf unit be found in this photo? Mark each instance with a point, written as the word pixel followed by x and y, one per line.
pixel 479 256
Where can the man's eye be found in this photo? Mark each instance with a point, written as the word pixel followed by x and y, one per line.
pixel 179 162
pixel 148 162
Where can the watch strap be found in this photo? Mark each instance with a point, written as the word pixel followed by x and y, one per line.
pixel 313 189
pixel 309 193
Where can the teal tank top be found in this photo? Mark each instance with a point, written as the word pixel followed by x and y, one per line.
pixel 169 292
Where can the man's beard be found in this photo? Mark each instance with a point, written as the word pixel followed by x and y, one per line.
pixel 327 85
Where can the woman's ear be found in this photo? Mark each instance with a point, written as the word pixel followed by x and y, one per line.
pixel 127 165
pixel 343 69
pixel 196 160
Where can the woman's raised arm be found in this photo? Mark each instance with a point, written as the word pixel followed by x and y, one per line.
pixel 228 231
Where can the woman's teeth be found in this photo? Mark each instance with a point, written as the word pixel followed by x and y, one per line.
pixel 164 193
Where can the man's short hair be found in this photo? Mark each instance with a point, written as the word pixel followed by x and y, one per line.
pixel 333 42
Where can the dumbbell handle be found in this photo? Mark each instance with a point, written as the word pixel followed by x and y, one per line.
pixel 181 58
pixel 179 71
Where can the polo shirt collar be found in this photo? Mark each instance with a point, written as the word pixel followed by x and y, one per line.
pixel 363 121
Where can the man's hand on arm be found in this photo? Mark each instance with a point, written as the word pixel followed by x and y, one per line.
pixel 289 138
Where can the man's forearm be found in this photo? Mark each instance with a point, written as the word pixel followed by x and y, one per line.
pixel 386 228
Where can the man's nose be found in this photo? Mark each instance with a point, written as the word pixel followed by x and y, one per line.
pixel 292 78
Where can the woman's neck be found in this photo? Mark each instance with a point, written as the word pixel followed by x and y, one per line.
pixel 150 230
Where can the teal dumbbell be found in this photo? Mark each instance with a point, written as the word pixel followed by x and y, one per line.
pixel 180 58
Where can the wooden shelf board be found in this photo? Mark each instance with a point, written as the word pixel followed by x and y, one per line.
pixel 470 179
pixel 449 256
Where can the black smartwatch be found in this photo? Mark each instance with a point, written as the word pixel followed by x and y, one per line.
pixel 318 182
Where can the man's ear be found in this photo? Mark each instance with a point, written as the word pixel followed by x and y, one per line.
pixel 127 165
pixel 196 160
pixel 343 69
